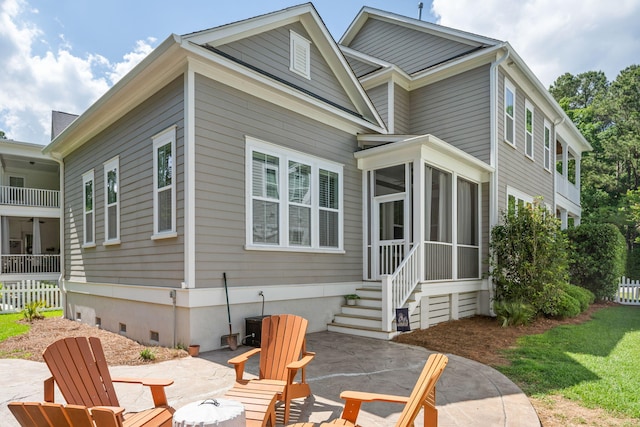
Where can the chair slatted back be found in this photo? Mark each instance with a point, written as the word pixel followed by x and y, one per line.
pixel 80 369
pixel 282 342
pixel 424 390
pixel 45 414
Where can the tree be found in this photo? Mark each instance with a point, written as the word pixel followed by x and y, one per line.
pixel 2 135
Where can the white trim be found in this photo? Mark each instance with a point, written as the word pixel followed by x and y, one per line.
pixel 391 122
pixel 113 164
pixel 189 146
pixel 166 137
pixel 317 164
pixel 519 195
pixel 529 107
pixel 299 55
pixel 86 177
pixel 508 86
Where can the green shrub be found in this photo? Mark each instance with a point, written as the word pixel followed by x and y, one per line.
pixel 597 258
pixel 529 259
pixel 584 296
pixel 147 354
pixel 31 311
pixel 513 313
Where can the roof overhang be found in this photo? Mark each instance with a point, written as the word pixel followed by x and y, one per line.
pixel 429 148
pixel 176 55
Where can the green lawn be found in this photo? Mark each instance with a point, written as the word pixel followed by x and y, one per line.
pixel 9 325
pixel 595 363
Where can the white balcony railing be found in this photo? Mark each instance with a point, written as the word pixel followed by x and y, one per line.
pixel 29 197
pixel 566 188
pixel 30 264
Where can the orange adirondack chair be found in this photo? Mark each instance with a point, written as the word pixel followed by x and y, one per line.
pixel 282 354
pixel 45 414
pixel 422 396
pixel 79 368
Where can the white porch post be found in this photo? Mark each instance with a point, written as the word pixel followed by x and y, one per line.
pixel 418 210
pixel 387 303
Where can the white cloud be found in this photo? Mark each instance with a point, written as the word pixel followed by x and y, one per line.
pixel 554 37
pixel 35 84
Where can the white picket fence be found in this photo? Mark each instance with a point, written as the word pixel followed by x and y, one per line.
pixel 16 296
pixel 628 291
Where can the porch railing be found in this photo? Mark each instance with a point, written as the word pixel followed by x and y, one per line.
pixel 16 296
pixel 397 287
pixel 29 197
pixel 30 264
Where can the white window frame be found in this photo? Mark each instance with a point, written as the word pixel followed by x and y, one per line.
pixel 285 155
pixel 547 138
pixel 299 55
pixel 167 136
pixel 88 177
pixel 108 166
pixel 529 137
pixel 509 87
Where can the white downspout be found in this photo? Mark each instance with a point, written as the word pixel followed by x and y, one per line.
pixel 61 281
pixel 493 190
pixel 493 193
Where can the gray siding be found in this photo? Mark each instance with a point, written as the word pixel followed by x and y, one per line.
pixel 456 110
pixel 401 107
pixel 379 95
pixel 360 68
pixel 269 52
pixel 410 49
pixel 138 259
pixel 224 116
pixel 515 169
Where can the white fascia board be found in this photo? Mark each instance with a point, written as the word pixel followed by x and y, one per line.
pixel 239 77
pixel 23 149
pixel 363 57
pixel 429 148
pixel 393 73
pixel 160 67
pixel 242 29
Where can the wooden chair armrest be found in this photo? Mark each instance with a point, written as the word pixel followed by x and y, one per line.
pixel 241 358
pixel 156 385
pixel 150 382
pixel 372 397
pixel 116 410
pixel 304 361
pixel 239 361
pixel 354 399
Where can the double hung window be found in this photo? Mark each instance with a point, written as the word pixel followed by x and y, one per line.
pixel 164 188
pixel 509 112
pixel 294 200
pixel 112 201
pixel 88 217
pixel 528 129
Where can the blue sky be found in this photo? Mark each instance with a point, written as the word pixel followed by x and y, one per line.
pixel 64 54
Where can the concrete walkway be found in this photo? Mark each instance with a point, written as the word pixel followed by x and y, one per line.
pixel 468 394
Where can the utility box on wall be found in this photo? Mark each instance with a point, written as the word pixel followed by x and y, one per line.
pixel 253 329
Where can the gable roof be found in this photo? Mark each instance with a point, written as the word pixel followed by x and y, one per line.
pixel 198 51
pixel 483 50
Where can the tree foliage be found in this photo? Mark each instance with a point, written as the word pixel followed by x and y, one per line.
pixel 608 115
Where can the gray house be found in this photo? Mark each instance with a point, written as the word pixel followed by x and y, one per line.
pixel 305 170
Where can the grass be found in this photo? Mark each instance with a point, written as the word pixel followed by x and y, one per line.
pixel 10 327
pixel 594 363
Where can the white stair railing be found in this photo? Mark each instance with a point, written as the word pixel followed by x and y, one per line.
pixel 398 286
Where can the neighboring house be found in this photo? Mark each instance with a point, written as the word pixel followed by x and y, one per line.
pixel 29 213
pixel 305 171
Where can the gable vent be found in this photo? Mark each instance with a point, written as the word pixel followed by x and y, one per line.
pixel 300 62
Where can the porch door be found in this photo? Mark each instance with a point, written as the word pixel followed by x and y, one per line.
pixel 390 235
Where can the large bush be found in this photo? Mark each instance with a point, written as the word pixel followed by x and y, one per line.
pixel 529 257
pixel 597 258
